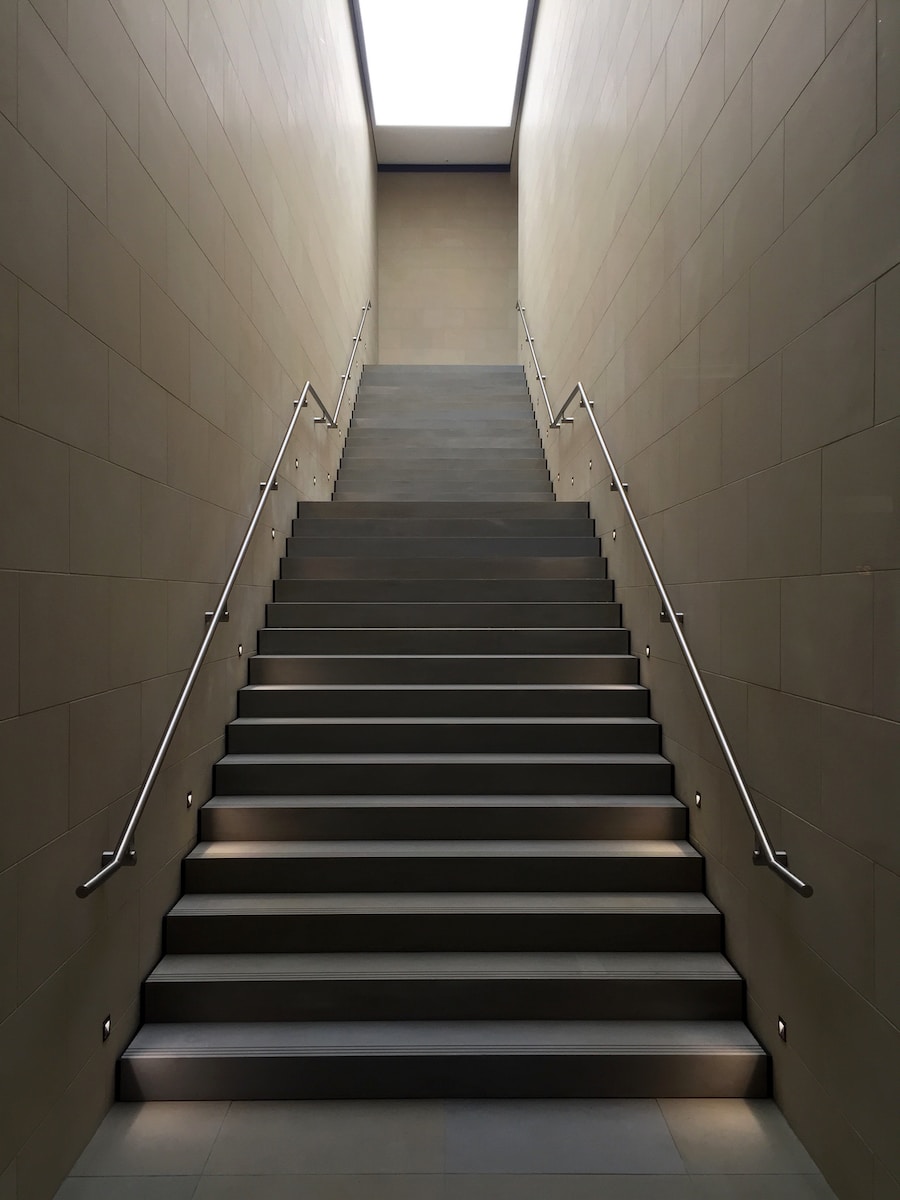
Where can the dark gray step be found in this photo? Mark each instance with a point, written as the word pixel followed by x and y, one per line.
pixel 417 734
pixel 353 641
pixel 419 468
pixel 313 566
pixel 294 924
pixel 398 1059
pixel 435 669
pixel 452 700
pixel 443 987
pixel 442 774
pixel 385 454
pixel 444 547
pixel 458 592
pixel 254 818
pixel 443 866
pixel 544 510
pixel 281 615
pixel 406 493
pixel 309 525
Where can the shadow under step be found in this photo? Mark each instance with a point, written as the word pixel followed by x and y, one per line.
pixel 365 640
pixel 443 987
pixel 437 866
pixel 444 592
pixel 437 774
pixel 398 1059
pixel 557 703
pixel 416 734
pixel 244 923
pixel 258 817
pixel 521 615
pixel 443 669
pixel 313 566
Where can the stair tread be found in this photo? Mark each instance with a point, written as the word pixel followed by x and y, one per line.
pixel 393 722
pixel 468 801
pixel 445 965
pixel 405 1038
pixel 450 757
pixel 443 848
pixel 302 904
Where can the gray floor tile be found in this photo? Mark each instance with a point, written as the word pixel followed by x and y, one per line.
pixel 330 1138
pixel 568 1187
pixel 761 1187
pixel 734 1137
pixel 320 1187
pixel 111 1187
pixel 153 1139
pixel 560 1137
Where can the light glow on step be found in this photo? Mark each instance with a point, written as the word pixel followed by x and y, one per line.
pixel 443 65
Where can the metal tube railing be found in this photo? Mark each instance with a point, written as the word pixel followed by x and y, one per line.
pixel 764 855
pixel 124 854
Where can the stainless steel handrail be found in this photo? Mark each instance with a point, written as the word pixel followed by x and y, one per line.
pixel 345 378
pixel 540 376
pixel 124 854
pixel 764 855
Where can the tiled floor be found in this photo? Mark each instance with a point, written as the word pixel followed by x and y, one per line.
pixel 447 1150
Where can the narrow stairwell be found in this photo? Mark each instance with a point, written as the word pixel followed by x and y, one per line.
pixel 443 857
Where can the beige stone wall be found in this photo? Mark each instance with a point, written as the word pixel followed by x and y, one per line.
pixel 446 267
pixel 709 238
pixel 186 235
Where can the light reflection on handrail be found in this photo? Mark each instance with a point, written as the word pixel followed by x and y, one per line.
pixel 764 855
pixel 124 853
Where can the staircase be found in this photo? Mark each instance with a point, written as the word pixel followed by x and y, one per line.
pixel 443 857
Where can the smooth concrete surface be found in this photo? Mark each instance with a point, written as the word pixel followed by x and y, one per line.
pixel 446 267
pixel 179 252
pixel 447 1150
pixel 720 271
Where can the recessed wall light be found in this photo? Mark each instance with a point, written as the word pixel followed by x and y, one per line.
pixel 782 1029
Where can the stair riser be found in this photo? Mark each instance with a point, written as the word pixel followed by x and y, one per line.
pixel 442 702
pixel 431 874
pixel 362 567
pixel 309 525
pixel 399 640
pixel 440 739
pixel 446 492
pixel 450 594
pixel 448 616
pixel 315 669
pixel 388 933
pixel 448 778
pixel 553 510
pixel 436 821
pixel 445 1077
pixel 443 547
pixel 375 999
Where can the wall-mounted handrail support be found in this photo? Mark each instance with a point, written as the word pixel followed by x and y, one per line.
pixel 124 854
pixel 764 855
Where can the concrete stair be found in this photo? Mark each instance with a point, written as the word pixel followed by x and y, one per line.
pixel 443 857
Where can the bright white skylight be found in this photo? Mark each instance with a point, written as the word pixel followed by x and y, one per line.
pixel 443 62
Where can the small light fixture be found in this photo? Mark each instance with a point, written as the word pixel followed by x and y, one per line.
pixel 557 476
pixel 107 1027
pixel 240 649
pixel 647 651
pixel 297 463
pixel 329 477
pixel 190 799
pixel 613 535
pixel 698 799
pixel 590 464
pixel 573 481
pixel 273 533
pixel 314 481
pixel 782 1029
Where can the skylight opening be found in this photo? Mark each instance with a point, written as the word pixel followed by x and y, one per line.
pixel 433 62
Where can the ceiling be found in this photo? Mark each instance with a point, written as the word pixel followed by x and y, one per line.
pixel 438 146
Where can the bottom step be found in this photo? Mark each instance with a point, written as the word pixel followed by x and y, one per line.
pixel 434 1059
